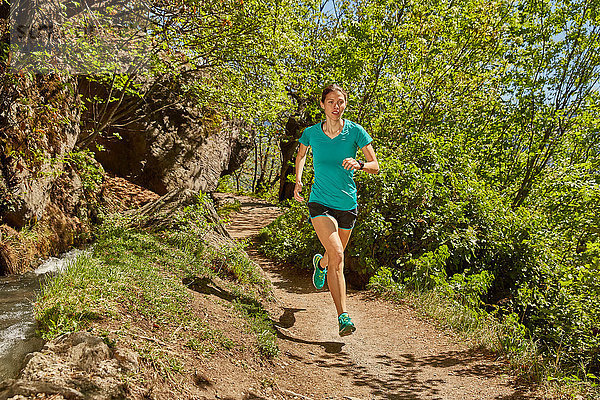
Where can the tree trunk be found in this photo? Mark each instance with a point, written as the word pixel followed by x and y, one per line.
pixel 288 145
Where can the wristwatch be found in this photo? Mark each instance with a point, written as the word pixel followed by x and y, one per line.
pixel 361 163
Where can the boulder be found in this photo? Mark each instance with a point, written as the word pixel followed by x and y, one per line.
pixel 177 158
pixel 75 366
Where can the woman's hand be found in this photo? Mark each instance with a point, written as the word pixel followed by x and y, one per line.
pixel 297 190
pixel 350 163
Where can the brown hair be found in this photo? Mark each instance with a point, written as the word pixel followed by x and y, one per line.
pixel 332 88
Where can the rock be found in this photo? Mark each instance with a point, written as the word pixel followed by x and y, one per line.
pixel 174 144
pixel 40 184
pixel 75 366
pixel 17 390
pixel 32 141
pixel 87 351
pixel 128 359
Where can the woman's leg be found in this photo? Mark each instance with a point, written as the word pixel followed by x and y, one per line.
pixel 336 281
pixel 334 241
pixel 344 237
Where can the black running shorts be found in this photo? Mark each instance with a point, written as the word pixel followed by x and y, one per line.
pixel 345 219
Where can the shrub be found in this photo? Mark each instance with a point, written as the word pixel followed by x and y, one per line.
pixel 290 238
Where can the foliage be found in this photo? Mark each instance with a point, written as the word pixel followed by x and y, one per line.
pixel 9 203
pixel 219 56
pixel 562 312
pixel 414 207
pixel 89 170
pixel 428 271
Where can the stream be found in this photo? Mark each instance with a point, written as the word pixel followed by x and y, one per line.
pixel 18 328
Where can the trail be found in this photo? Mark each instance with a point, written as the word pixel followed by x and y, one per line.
pixel 393 354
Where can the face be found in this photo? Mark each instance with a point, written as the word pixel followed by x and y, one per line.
pixel 334 105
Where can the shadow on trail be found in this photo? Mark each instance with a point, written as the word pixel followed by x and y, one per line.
pixel 292 280
pixel 401 378
pixel 329 347
pixel 257 204
pixel 398 379
pixel 397 382
pixel 468 359
pixel 518 395
pixel 288 319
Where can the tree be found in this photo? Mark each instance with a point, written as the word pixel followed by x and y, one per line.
pixel 554 69
pixel 329 51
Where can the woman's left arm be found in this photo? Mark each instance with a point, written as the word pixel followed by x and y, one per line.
pixel 371 166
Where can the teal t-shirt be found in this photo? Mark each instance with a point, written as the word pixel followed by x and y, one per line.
pixel 334 186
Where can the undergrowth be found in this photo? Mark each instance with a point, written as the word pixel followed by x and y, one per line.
pixel 482 270
pixel 137 274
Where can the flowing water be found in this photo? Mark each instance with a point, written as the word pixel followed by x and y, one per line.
pixel 18 335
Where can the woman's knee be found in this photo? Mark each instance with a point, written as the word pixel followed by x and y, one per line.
pixel 336 257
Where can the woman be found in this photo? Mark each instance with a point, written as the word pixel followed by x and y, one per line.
pixel 332 203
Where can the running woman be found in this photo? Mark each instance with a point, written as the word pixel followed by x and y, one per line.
pixel 332 203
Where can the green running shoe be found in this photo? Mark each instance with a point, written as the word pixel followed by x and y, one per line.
pixel 346 326
pixel 320 274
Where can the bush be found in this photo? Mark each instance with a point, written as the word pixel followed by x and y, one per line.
pixel 290 238
pixel 406 212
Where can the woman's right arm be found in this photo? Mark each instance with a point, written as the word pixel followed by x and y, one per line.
pixel 300 161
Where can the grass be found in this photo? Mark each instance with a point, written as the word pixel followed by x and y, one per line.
pixel 133 277
pixel 228 208
pixel 260 323
pixel 125 273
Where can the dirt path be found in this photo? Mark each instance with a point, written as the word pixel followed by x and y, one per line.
pixel 392 355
